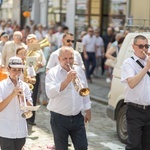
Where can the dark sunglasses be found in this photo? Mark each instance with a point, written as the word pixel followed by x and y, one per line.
pixel 68 41
pixel 142 46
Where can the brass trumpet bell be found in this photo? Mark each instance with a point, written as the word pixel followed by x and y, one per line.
pixel 30 86
pixel 44 43
pixel 84 91
pixel 27 114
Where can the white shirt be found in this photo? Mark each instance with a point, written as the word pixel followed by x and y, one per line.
pixel 58 36
pixel 12 124
pixel 39 57
pixel 141 93
pixel 100 43
pixel 67 102
pixel 89 43
pixel 53 60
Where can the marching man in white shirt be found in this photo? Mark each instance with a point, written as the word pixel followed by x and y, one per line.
pixel 13 127
pixel 66 104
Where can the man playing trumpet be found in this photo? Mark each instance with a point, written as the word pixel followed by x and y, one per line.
pixel 66 103
pixel 13 127
pixel 136 77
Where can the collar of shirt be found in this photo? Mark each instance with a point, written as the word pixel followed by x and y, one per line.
pixel 143 61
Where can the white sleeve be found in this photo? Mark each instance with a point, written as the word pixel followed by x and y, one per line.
pixel 127 70
pixel 51 86
pixel 53 61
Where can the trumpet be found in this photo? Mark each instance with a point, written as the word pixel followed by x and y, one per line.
pixel 79 86
pixel 25 114
pixel 44 43
pixel 146 54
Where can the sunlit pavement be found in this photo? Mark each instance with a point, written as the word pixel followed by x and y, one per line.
pixel 100 131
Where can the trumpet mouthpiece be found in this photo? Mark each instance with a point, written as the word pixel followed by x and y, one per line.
pixel 145 53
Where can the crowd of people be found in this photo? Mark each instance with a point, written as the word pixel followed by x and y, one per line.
pixel 48 75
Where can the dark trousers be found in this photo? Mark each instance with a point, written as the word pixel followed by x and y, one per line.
pixel 90 64
pixel 12 144
pixel 103 65
pixel 34 97
pixel 138 127
pixel 63 126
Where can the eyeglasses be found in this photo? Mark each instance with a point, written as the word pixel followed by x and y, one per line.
pixel 142 46
pixel 17 36
pixel 21 54
pixel 68 41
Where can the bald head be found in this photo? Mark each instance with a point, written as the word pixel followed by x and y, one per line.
pixel 66 56
pixel 65 49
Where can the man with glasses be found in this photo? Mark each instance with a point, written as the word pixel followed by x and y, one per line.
pixel 136 77
pixel 67 40
pixel 10 47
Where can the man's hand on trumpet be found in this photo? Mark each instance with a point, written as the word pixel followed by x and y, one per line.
pixel 18 92
pixel 148 62
pixel 147 59
pixel 71 75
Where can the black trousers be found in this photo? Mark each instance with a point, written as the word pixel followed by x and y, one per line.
pixel 63 126
pixel 34 97
pixel 103 65
pixel 138 127
pixel 12 144
pixel 90 64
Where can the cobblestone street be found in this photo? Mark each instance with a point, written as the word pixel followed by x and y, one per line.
pixel 101 131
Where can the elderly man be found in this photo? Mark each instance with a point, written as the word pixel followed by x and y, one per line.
pixel 65 102
pixel 10 47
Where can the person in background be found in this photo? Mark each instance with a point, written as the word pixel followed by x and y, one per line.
pixel 40 62
pixel 89 53
pixel 25 33
pixel 13 127
pixel 4 37
pixel 107 38
pixel 137 96
pixel 32 26
pixel 66 103
pixel 40 33
pixel 52 39
pixel 99 51
pixel 10 47
pixel 8 29
pixel 82 34
pixel 112 51
pixel 67 40
pixel 65 29
pixel 58 35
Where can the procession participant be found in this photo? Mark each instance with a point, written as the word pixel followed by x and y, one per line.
pixel 10 47
pixel 89 52
pixel 67 40
pixel 13 127
pixel 40 62
pixel 66 103
pixel 4 37
pixel 136 77
pixel 28 74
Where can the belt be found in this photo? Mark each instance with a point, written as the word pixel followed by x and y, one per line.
pixel 146 107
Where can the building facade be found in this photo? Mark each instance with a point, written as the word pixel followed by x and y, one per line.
pixel 78 14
